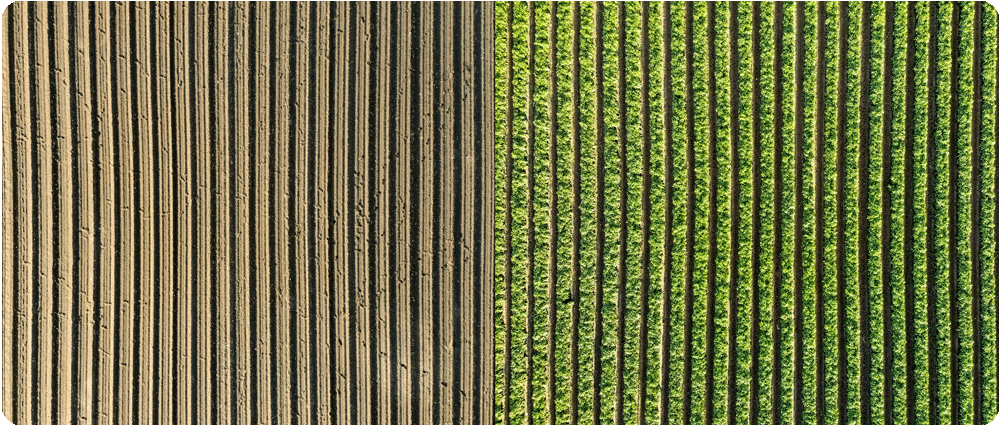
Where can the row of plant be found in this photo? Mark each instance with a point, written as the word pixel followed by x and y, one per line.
pixel 988 237
pixel 918 174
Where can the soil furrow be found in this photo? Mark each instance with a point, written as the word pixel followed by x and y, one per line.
pixel 553 210
pixel 426 191
pixel 666 325
pixel 797 272
pixel 219 205
pixel 755 135
pixel 646 221
pixel 689 225
pixel 440 269
pixel 908 236
pixel 842 52
pixel 403 365
pixel 530 284
pixel 713 223
pixel 599 166
pixel 776 254
pixel 932 213
pixel 621 305
pixel 734 212
pixel 819 182
pixel 378 222
pixel 397 216
pixel 255 294
pixel 864 385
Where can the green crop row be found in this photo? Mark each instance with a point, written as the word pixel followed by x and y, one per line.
pixel 941 192
pixel 828 233
pixel 678 227
pixel 918 268
pixel 744 231
pixel 988 253
pixel 851 153
pixel 965 76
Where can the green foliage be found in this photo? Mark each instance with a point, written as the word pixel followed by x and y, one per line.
pixel 988 253
pixel 941 192
pixel 965 76
pixel 829 225
pixel 744 148
pixel 920 212
pixel 679 191
pixel 669 270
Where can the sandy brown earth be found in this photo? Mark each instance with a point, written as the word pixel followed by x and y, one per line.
pixel 247 212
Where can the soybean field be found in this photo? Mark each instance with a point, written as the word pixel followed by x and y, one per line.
pixel 746 213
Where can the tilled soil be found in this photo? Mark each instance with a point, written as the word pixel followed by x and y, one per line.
pixel 247 212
